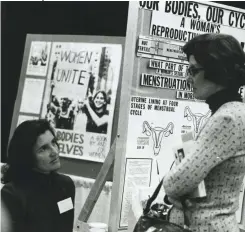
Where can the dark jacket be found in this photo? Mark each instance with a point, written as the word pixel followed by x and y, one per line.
pixel 33 203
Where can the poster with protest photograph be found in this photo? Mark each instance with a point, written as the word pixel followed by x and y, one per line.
pixel 80 97
pixel 38 58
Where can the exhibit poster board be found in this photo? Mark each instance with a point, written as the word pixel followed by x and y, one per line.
pixel 157 103
pixel 72 82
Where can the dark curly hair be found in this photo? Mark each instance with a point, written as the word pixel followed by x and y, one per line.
pixel 221 56
pixel 20 160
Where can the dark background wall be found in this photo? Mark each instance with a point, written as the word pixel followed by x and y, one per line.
pixel 19 19
pixel 78 18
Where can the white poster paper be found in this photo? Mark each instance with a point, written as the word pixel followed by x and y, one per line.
pixel 138 174
pixel 38 58
pixel 183 20
pixel 155 127
pixel 195 117
pixel 32 96
pixel 80 97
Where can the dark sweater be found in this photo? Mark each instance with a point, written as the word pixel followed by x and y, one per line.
pixel 91 125
pixel 216 100
pixel 33 203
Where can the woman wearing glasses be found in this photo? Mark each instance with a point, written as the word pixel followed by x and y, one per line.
pixel 217 71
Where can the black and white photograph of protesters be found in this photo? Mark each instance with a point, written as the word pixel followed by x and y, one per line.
pixel 80 116
pixel 38 58
pixel 60 113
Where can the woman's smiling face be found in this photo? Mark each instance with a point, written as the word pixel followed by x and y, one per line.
pixel 99 101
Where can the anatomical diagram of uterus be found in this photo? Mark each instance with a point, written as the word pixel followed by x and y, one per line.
pixel 157 134
pixel 198 119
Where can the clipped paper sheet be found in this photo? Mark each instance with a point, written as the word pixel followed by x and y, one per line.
pixel 32 96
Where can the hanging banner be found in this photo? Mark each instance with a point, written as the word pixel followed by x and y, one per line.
pixel 183 20
pixel 80 97
pixel 38 58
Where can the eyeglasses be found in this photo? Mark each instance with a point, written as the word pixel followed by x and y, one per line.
pixel 193 71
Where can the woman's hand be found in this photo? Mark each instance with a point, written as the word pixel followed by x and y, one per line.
pixel 86 102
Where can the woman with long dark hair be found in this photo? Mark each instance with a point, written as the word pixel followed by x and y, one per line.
pixel 97 113
pixel 217 156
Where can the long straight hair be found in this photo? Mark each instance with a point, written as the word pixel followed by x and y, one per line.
pixel 105 97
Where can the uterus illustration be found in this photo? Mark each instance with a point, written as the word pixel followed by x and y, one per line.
pixel 198 119
pixel 157 134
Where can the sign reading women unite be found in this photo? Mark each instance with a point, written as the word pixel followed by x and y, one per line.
pixel 77 72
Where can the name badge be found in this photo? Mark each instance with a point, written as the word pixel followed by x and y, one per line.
pixel 65 205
